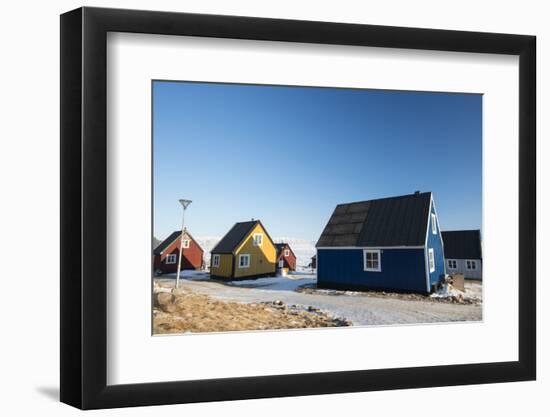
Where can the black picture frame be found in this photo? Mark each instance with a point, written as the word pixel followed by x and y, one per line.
pixel 84 207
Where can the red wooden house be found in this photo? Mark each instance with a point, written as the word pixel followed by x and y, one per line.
pixel 166 254
pixel 285 257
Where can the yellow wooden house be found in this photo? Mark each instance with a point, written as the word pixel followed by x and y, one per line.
pixel 246 251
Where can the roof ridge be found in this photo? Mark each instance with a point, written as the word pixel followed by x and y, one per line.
pixel 385 198
pixel 250 224
pixel 389 221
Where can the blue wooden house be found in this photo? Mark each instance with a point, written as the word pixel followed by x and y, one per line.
pixel 386 244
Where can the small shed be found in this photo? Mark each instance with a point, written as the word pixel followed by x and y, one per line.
pixel 165 255
pixel 286 259
pixel 463 253
pixel 389 243
pixel 314 261
pixel 246 251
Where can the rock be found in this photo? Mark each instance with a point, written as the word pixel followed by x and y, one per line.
pixel 163 298
pixel 165 301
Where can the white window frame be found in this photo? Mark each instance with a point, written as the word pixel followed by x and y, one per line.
pixel 255 241
pixel 171 259
pixel 379 256
pixel 473 262
pixel 434 224
pixel 215 261
pixel 451 262
pixel 247 257
pixel 431 259
pixel 287 253
pixel 185 244
pixel 281 263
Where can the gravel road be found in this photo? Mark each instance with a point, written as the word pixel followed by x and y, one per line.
pixel 361 310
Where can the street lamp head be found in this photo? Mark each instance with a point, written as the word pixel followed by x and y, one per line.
pixel 185 203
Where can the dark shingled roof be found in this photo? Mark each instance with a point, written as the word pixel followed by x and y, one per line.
pixel 281 246
pixel 168 241
pixel 392 221
pixel 235 236
pixel 462 244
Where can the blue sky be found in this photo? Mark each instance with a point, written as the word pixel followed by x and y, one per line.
pixel 289 155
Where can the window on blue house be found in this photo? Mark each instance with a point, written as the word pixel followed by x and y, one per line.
pixel 371 260
pixel 431 259
pixel 434 224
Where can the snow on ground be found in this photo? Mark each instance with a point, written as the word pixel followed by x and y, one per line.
pixel 189 275
pixel 303 249
pixel 472 292
pixel 361 311
pixel 474 289
pixel 447 291
pixel 289 283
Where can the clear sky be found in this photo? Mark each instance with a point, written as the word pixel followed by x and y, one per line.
pixel 289 155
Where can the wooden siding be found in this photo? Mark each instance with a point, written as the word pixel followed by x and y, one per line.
pixel 191 257
pixel 401 270
pixel 262 258
pixel 468 273
pixel 226 266
pixel 289 261
pixel 436 243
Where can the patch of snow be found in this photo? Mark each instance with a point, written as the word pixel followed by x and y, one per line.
pixel 279 283
pixel 447 291
pixel 189 275
pixel 472 292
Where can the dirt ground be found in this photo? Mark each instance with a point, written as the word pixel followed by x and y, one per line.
pixel 246 300
pixel 191 312
pixel 473 294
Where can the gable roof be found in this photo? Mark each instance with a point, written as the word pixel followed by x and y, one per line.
pixel 236 235
pixel 170 239
pixel 392 221
pixel 281 246
pixel 462 244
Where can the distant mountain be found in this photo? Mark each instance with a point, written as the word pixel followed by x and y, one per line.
pixel 303 248
pixel 207 243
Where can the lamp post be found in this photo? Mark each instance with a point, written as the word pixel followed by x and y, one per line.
pixel 185 204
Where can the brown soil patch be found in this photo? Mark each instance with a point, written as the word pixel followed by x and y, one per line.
pixel 197 313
